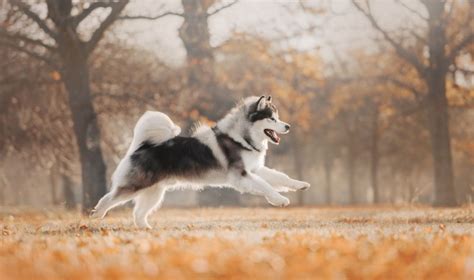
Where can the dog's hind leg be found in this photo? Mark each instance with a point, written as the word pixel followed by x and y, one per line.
pixel 110 200
pixel 145 202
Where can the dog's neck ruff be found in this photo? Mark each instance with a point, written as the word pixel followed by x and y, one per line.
pixel 247 145
pixel 250 142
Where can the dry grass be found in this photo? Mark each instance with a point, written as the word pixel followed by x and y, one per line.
pixel 299 243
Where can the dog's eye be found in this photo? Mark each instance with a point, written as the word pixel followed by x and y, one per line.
pixel 273 119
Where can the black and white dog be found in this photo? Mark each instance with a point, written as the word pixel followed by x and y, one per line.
pixel 232 154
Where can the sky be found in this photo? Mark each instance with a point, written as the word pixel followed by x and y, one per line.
pixel 276 19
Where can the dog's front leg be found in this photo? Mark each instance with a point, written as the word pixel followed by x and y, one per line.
pixel 280 179
pixel 254 184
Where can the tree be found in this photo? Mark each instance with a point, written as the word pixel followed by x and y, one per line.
pixel 202 88
pixel 444 43
pixel 63 49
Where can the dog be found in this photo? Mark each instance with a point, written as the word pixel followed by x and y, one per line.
pixel 232 154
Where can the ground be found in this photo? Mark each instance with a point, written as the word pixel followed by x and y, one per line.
pixel 221 243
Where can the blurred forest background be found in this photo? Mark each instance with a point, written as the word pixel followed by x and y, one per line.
pixel 380 93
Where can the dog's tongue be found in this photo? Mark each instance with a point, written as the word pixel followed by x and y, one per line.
pixel 275 137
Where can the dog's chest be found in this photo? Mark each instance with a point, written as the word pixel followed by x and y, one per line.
pixel 253 160
pixel 238 156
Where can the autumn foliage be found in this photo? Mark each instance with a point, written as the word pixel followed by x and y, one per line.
pixel 332 243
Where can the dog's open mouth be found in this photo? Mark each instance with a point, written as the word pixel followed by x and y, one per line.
pixel 272 135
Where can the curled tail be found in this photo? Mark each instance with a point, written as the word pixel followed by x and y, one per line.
pixel 155 127
pixel 152 126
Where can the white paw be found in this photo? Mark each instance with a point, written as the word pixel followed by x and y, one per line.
pixel 95 214
pixel 300 185
pixel 143 224
pixel 278 201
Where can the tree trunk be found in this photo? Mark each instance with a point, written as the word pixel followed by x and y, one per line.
pixel 438 108
pixel 374 154
pixel 394 191
pixel 351 170
pixel 328 175
pixel 194 33
pixel 411 192
pixel 53 176
pixel 69 198
pixel 86 129
pixel 297 157
pixel 3 188
pixel 441 145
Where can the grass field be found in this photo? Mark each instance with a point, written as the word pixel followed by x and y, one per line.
pixel 293 243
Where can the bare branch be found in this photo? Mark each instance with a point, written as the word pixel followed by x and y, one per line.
pixel 418 37
pixel 299 33
pixel 401 51
pixel 39 82
pixel 32 54
pixel 228 5
pixel 33 16
pixel 469 39
pixel 465 26
pixel 403 85
pixel 117 8
pixel 451 6
pixel 127 17
pixel 26 39
pixel 87 11
pixel 413 11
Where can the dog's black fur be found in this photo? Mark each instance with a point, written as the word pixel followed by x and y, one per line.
pixel 257 115
pixel 232 151
pixel 179 156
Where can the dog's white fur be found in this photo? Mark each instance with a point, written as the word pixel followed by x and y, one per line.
pixel 260 180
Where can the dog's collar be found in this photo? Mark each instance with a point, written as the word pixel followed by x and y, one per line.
pixel 217 131
pixel 250 142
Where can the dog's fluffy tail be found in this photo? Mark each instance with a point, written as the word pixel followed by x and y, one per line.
pixel 155 127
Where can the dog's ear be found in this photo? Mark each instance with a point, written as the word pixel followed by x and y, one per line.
pixel 261 103
pixel 269 98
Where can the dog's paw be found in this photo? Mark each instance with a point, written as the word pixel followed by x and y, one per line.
pixel 300 185
pixel 305 186
pixel 144 227
pixel 278 201
pixel 94 214
pixel 142 224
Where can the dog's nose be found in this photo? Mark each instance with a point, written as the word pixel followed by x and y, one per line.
pixel 287 127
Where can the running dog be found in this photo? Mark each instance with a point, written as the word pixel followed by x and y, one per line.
pixel 232 154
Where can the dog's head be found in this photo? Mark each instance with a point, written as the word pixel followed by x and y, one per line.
pixel 264 120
